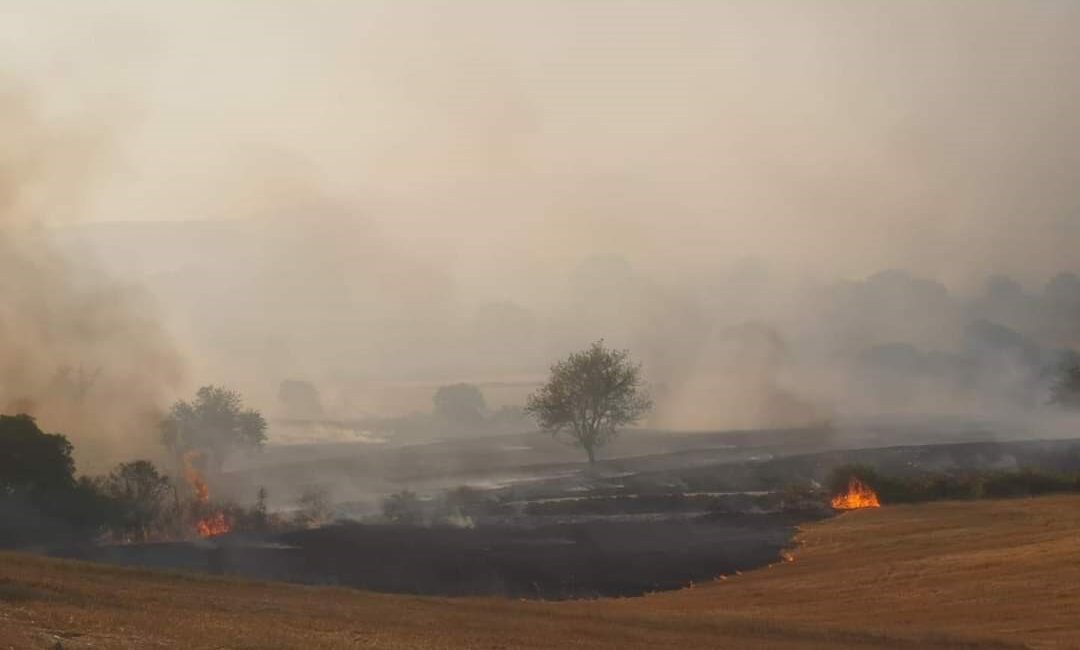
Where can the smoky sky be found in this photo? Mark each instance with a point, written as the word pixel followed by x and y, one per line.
pixel 461 190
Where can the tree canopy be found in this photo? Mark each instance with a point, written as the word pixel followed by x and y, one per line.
pixel 138 491
pixel 31 459
pixel 589 395
pixel 39 496
pixel 215 422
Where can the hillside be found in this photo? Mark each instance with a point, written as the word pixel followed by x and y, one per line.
pixel 946 575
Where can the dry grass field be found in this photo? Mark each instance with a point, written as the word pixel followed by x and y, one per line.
pixel 993 574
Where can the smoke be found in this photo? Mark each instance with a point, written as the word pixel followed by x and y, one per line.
pixel 79 350
pixel 359 194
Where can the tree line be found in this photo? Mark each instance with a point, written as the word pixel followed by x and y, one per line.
pixel 587 399
pixel 43 499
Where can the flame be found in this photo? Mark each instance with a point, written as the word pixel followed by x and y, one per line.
pixel 213 525
pixel 858 495
pixel 194 478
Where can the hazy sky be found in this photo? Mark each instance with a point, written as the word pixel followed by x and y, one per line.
pixel 398 164
pixel 822 136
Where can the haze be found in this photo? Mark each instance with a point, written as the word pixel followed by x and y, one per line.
pixel 426 192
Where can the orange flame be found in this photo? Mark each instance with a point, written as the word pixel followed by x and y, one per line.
pixel 194 478
pixel 858 495
pixel 213 525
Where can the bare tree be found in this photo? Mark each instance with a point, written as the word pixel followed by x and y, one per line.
pixel 589 395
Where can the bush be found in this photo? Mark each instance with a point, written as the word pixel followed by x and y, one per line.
pixel 137 492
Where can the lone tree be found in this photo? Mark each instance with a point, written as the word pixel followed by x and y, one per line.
pixel 215 422
pixel 589 395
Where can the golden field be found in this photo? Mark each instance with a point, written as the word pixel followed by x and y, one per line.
pixel 993 574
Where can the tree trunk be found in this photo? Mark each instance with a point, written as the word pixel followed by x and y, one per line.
pixel 592 454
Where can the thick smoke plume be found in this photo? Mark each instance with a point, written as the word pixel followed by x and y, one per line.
pixel 82 352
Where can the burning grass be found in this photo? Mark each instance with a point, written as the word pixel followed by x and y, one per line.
pixel 857 496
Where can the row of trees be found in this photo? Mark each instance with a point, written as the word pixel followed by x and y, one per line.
pixel 589 395
pixel 587 398
pixel 43 500
pixel 41 496
pixel 592 393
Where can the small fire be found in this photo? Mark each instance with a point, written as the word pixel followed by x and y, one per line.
pixel 215 524
pixel 194 478
pixel 858 495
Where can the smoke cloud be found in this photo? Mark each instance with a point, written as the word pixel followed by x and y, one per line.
pixel 786 210
pixel 78 349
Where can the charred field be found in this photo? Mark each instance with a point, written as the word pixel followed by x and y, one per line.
pixel 585 559
pixel 531 521
pixel 993 574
